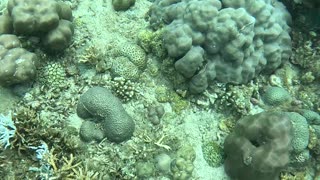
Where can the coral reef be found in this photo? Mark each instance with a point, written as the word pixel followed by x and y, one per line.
pixel 135 54
pixel 5 24
pixel 30 17
pixel 153 73
pixel 163 94
pixel 123 67
pixel 145 169
pixel 163 163
pixel 40 159
pixel 90 131
pixel 182 166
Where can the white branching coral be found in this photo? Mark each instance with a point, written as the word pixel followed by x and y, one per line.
pixel 7 129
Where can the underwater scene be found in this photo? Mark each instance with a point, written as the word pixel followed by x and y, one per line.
pixel 160 90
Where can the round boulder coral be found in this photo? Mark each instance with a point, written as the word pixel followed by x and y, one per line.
pixel 122 5
pixel 34 16
pixel 259 147
pixel 58 38
pixel 312 117
pixel 17 65
pixel 275 96
pixel 89 131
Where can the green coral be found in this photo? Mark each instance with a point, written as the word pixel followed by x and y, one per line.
pixel 129 61
pixel 306 53
pixel 307 78
pixel 135 54
pixel 234 99
pixel 145 169
pixel 163 94
pixel 90 131
pixel 300 160
pixel 151 41
pixel 213 153
pixel 182 167
pixel 276 96
pixel 312 117
pixel 123 67
pixel 53 75
pixel 178 103
pixel 168 70
pixel 300 131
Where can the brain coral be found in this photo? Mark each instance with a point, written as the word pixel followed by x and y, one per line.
pixel 239 39
pixel 276 96
pixel 100 104
pixel 300 128
pixel 130 60
pixel 135 53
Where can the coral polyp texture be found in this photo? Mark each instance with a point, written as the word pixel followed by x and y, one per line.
pixel 17 65
pixel 102 107
pixel 229 41
pixel 258 148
